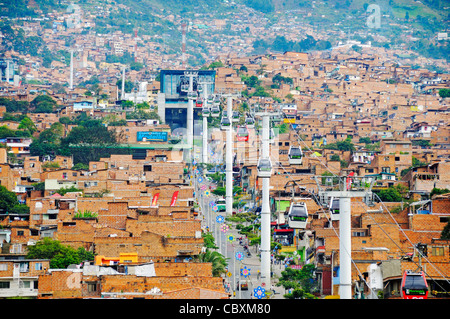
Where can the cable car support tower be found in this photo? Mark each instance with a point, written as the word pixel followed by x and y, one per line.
pixel 229 154
pixel 346 192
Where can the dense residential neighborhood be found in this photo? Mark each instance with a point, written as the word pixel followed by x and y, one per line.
pixel 97 167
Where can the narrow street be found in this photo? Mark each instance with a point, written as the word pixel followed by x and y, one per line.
pixel 243 264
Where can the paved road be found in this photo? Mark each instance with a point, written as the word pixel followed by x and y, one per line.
pixel 251 262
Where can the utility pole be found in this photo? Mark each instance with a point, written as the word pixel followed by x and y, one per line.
pixel 265 209
pixel 123 84
pixel 229 160
pixel 205 122
pixel 183 42
pixel 71 70
pixel 135 44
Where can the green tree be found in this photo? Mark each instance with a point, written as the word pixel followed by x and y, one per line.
pixel 439 191
pixel 217 260
pixel 8 199
pixel 251 81
pixel 301 281
pixel 335 157
pixel 64 190
pixel 27 124
pixel 444 93
pixel 445 234
pixel 48 142
pixel 80 166
pixel 60 256
pixel 391 194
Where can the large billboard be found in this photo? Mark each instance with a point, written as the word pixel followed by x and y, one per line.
pixel 154 136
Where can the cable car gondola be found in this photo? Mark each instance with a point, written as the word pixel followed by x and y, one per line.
pixel 242 134
pixel 298 215
pixel 414 285
pixel 199 102
pixel 192 95
pixel 184 87
pixel 235 116
pixel 215 110
pixel 205 110
pixel 225 123
pixel 264 167
pixel 271 136
pixel 250 122
pixel 295 155
pixel 334 208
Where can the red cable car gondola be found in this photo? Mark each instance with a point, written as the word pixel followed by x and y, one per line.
pixel 242 134
pixel 199 102
pixel 414 285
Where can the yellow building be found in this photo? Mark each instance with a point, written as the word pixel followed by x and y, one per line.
pixel 122 259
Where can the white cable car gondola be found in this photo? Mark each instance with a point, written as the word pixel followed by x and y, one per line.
pixel 250 122
pixel 334 208
pixel 192 95
pixel 271 136
pixel 264 167
pixel 235 116
pixel 215 110
pixel 295 155
pixel 205 110
pixel 184 87
pixel 298 215
pixel 225 123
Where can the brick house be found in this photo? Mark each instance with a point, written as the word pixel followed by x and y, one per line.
pixel 134 281
pixel 383 239
pixel 20 277
pixel 425 178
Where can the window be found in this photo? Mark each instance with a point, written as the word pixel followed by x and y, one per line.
pixel 437 251
pixel 38 266
pixel 3 267
pixel 4 284
pixel 24 284
pixel 20 233
pixel 385 169
pixel 358 233
pixel 24 267
pixel 91 287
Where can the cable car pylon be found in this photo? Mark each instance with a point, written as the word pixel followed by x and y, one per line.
pixel 345 193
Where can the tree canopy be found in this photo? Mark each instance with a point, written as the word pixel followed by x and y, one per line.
pixel 301 281
pixel 60 256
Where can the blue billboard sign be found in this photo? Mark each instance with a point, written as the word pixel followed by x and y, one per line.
pixel 152 136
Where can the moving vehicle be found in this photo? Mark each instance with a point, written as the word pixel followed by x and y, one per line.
pixel 414 285
pixel 298 215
